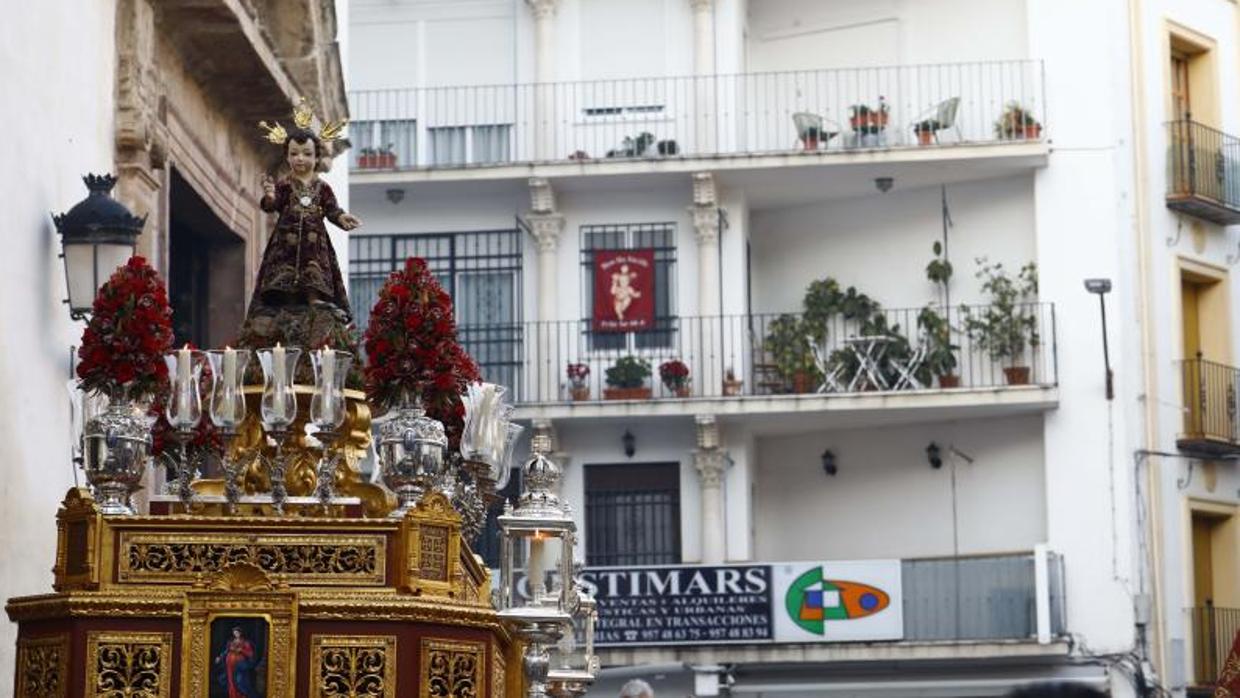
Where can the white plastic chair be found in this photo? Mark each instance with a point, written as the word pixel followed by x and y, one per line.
pixel 807 121
pixel 944 117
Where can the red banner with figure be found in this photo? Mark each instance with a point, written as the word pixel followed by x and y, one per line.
pixel 623 290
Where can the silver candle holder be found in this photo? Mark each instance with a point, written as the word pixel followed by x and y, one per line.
pixel 278 409
pixel 327 412
pixel 184 412
pixel 228 411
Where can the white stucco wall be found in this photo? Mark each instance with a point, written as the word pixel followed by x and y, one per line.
pixel 1082 227
pixel 881 243
pixel 886 501
pixel 58 62
pixel 812 34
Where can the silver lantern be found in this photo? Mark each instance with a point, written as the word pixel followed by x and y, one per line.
pixel 116 447
pixel 412 447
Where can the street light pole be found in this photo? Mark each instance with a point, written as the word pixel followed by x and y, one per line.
pixel 1102 287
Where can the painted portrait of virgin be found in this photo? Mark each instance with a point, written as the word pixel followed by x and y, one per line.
pixel 239 657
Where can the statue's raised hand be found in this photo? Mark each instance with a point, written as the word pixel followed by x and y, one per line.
pixel 348 221
pixel 269 186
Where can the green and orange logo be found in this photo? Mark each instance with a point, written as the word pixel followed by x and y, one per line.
pixel 813 600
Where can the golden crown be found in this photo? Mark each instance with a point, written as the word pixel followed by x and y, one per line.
pixel 303 117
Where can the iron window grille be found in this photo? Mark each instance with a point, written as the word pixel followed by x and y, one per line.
pixel 632 514
pixel 661 237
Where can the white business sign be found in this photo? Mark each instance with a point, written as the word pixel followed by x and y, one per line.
pixel 847 601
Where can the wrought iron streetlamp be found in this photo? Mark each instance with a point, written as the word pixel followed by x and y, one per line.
pixel 97 235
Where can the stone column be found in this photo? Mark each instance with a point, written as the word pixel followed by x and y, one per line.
pixel 544 76
pixel 710 331
pixel 545 345
pixel 704 71
pixel 709 462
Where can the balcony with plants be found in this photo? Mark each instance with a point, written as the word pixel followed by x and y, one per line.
pixel 1203 172
pixel 840 343
pixel 811 113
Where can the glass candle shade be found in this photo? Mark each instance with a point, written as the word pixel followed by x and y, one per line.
pixel 279 404
pixel 331 368
pixel 227 406
pixel 184 407
pixel 503 472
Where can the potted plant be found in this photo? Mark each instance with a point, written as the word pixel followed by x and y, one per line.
pixel 1008 325
pixel 366 158
pixel 925 131
pixel 867 120
pixel 1017 123
pixel 936 328
pixel 809 139
pixel 626 379
pixel 675 377
pixel 731 385
pixel 385 157
pixel 788 342
pixel 940 360
pixel 578 374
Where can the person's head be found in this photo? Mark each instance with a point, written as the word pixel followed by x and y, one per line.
pixel 302 150
pixel 1056 690
pixel 237 632
pixel 636 689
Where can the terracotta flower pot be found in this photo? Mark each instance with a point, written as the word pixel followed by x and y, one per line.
pixel 580 393
pixel 802 382
pixel 1017 375
pixel 683 391
pixel 642 393
pixel 810 142
pixel 950 380
pixel 1033 132
pixel 925 137
pixel 732 388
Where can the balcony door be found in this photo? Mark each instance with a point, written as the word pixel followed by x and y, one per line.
pixel 1216 585
pixel 1210 389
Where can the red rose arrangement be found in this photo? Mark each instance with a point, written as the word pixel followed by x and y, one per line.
pixel 129 331
pixel 411 347
pixel 674 374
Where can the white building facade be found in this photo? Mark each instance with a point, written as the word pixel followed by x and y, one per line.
pixel 1035 531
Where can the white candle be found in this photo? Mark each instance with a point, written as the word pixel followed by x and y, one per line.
pixel 537 565
pixel 183 385
pixel 327 364
pixel 277 369
pixel 230 382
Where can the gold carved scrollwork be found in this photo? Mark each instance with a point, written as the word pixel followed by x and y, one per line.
pixel 433 553
pixel 354 666
pixel 452 669
pixel 322 560
pixel 42 667
pixel 128 665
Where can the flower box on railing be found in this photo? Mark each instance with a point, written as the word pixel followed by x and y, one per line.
pixel 626 393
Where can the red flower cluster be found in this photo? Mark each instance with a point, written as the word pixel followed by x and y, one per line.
pixel 578 373
pixel 674 373
pixel 129 331
pixel 411 346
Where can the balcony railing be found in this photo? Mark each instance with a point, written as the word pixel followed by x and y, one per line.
pixel 771 354
pixel 1203 172
pixel 1214 632
pixel 978 598
pixel 1211 423
pixel 697 116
